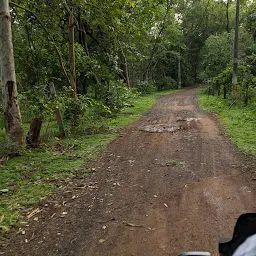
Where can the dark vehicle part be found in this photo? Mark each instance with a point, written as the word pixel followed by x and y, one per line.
pixel 244 228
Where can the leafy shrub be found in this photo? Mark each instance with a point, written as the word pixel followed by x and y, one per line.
pixel 74 110
pixel 246 82
pixel 145 87
pixel 166 83
pixel 117 96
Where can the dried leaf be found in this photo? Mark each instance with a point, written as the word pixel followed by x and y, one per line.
pixel 102 241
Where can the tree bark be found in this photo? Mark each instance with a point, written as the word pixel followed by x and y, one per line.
pixel 58 113
pixel 235 60
pixel 33 136
pixel 72 54
pixel 12 117
pixel 227 16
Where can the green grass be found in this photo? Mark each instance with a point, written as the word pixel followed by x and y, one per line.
pixel 239 121
pixel 32 177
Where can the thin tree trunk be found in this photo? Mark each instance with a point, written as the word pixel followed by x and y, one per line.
pixel 125 69
pixel 179 69
pixel 235 61
pixel 227 16
pixel 12 117
pixel 246 93
pixel 72 54
pixel 58 113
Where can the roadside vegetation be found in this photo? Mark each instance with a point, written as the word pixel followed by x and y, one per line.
pixel 239 120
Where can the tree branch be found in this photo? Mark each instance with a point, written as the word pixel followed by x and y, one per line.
pixel 50 38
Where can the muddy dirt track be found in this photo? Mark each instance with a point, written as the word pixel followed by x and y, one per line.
pixel 172 182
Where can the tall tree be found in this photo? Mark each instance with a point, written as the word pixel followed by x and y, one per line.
pixel 12 117
pixel 72 64
pixel 235 60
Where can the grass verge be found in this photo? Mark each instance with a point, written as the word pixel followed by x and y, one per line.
pixel 27 180
pixel 239 121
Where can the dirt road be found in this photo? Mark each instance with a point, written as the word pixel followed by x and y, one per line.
pixel 172 182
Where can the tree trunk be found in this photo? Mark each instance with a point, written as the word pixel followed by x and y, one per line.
pixel 235 61
pixel 12 117
pixel 58 113
pixel 72 64
pixel 227 16
pixel 224 92
pixel 33 136
pixel 125 68
pixel 179 69
pixel 246 93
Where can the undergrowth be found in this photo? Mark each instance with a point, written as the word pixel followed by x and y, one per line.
pixel 239 120
pixel 28 179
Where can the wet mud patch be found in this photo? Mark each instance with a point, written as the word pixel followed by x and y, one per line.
pixel 158 128
pixel 179 125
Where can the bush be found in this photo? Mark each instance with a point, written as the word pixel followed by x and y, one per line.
pixel 246 83
pixel 145 87
pixel 166 83
pixel 117 96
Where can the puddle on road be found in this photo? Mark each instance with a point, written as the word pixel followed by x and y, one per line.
pixel 182 124
pixel 160 128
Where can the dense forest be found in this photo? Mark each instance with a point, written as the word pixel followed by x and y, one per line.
pixel 79 63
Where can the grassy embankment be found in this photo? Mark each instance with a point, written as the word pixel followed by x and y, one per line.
pixel 27 180
pixel 239 120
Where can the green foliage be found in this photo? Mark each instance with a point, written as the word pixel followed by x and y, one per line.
pixel 166 83
pixel 245 78
pixel 145 87
pixel 117 96
pixel 238 120
pixel 217 54
pixel 74 110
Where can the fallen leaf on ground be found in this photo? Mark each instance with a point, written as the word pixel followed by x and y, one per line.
pixel 166 205
pixel 102 241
